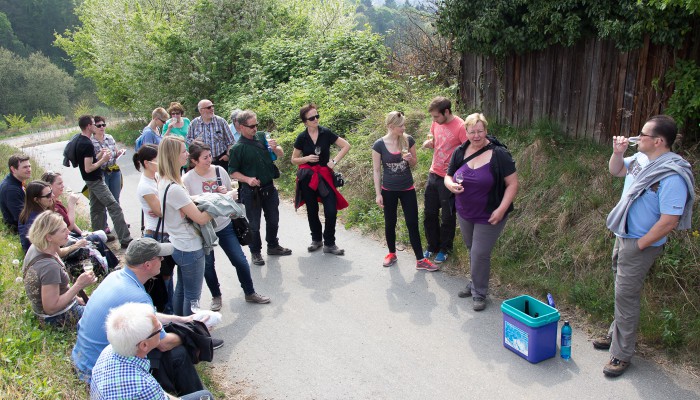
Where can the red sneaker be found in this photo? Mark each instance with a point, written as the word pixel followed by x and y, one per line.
pixel 389 260
pixel 426 265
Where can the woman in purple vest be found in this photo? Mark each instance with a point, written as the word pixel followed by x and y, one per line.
pixel 482 176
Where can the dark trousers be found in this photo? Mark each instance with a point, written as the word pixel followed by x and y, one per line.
pixel 439 227
pixel 330 212
pixel 264 200
pixel 409 204
pixel 174 371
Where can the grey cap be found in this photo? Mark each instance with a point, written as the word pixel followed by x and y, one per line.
pixel 144 249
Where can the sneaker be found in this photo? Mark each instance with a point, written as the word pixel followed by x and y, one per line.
pixel 217 343
pixel 389 260
pixel 479 304
pixel 602 343
pixel 467 292
pixel 314 246
pixel 426 265
pixel 441 257
pixel 257 259
pixel 215 303
pixel 615 367
pixel 333 250
pixel 427 254
pixel 278 251
pixel 256 298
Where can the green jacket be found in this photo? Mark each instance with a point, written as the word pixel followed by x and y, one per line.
pixel 252 158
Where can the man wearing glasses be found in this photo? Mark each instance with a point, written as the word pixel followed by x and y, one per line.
pixel 122 370
pixel 90 164
pixel 174 370
pixel 657 198
pixel 212 130
pixel 252 166
pixel 12 191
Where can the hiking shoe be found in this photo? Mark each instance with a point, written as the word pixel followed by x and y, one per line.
pixel 215 303
pixel 479 304
pixel 427 254
pixel 111 237
pixel 389 260
pixel 602 343
pixel 467 292
pixel 615 367
pixel 333 250
pixel 257 259
pixel 217 343
pixel 256 298
pixel 426 265
pixel 441 257
pixel 126 244
pixel 314 246
pixel 278 251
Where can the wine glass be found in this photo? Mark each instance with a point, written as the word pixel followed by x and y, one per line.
pixel 234 184
pixel 633 141
pixel 317 150
pixel 194 306
pixel 87 267
pixel 459 179
pixel 430 136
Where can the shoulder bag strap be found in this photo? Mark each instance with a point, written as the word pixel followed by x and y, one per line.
pixel 161 221
pixel 218 175
pixel 476 154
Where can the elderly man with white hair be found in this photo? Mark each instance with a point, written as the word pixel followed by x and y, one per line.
pixel 122 370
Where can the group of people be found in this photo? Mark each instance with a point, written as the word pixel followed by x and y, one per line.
pixel 472 180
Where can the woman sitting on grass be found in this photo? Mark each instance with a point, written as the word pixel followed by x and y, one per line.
pixel 46 280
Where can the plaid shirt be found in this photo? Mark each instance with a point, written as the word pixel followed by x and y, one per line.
pixel 117 377
pixel 110 144
pixel 216 134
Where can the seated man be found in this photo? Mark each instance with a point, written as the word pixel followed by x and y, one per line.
pixel 174 369
pixel 11 190
pixel 122 370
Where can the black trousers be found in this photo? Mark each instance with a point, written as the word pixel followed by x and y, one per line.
pixel 439 227
pixel 174 371
pixel 409 204
pixel 330 213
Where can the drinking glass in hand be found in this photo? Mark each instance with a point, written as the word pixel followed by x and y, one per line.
pixel 194 306
pixel 459 179
pixel 317 150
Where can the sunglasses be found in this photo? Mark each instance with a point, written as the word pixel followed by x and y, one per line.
pixel 175 113
pixel 47 195
pixel 208 107
pixel 250 126
pixel 313 118
pixel 100 125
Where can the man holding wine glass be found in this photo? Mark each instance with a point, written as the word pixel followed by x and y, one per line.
pixel 482 176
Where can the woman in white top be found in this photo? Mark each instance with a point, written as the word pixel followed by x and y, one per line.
pixel 208 178
pixel 189 254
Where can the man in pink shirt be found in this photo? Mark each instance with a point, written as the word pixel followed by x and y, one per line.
pixel 448 133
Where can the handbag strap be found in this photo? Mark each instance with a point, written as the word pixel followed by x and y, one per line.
pixel 161 221
pixel 218 175
pixel 476 154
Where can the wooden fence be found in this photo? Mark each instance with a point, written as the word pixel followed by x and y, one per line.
pixel 592 90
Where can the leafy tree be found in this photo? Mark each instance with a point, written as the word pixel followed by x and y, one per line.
pixel 8 39
pixel 390 4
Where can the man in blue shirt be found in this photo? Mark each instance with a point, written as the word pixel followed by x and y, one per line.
pixel 175 372
pixel 657 198
pixel 11 190
pixel 122 370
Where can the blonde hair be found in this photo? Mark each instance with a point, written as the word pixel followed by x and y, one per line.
pixel 46 223
pixel 472 119
pixel 160 113
pixel 168 158
pixel 396 118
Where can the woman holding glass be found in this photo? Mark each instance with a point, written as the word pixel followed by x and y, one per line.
pixel 483 178
pixel 312 153
pixel 177 124
pixel 110 170
pixel 46 281
pixel 189 253
pixel 395 153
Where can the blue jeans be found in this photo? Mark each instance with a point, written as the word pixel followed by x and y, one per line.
pixel 69 317
pixel 190 274
pixel 113 180
pixel 197 395
pixel 267 200
pixel 229 243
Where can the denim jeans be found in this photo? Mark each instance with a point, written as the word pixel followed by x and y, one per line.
pixel 168 282
pixel 69 317
pixel 190 274
pixel 229 243
pixel 268 203
pixel 113 180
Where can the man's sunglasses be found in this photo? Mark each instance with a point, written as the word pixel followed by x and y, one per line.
pixel 254 126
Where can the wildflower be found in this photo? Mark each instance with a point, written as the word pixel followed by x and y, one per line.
pixel 696 233
pixel 19 279
pixel 16 261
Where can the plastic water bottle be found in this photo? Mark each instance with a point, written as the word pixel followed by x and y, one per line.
pixel 565 341
pixel 550 300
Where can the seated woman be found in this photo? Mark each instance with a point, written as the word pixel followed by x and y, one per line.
pixel 46 281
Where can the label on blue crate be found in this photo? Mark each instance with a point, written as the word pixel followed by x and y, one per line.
pixel 516 338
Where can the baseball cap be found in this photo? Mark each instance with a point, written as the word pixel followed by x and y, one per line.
pixel 144 249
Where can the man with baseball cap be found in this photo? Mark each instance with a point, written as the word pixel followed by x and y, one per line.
pixel 170 362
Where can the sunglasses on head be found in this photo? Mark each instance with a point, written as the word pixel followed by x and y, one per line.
pixel 313 118
pixel 100 125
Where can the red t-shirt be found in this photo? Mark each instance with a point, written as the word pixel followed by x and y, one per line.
pixel 446 138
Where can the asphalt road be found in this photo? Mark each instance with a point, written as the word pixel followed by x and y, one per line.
pixel 346 328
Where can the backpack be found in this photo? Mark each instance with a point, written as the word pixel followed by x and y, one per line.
pixel 139 142
pixel 69 156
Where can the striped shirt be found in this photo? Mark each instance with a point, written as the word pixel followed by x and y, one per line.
pixel 216 134
pixel 108 143
pixel 117 377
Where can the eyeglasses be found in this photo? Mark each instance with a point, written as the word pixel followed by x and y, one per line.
pixel 156 332
pixel 47 195
pixel 163 120
pixel 254 126
pixel 207 107
pixel 175 113
pixel 644 134
pixel 313 118
pixel 100 125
